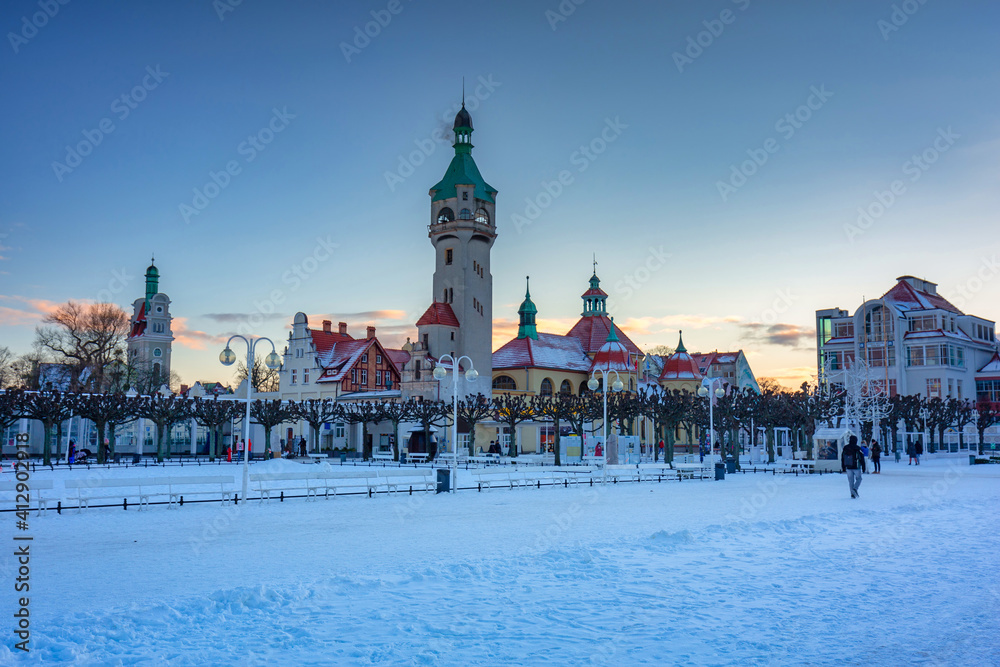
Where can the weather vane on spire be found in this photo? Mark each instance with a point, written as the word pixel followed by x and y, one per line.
pixel 595 263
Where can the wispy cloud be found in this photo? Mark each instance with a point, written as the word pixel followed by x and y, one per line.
pixel 227 318
pixel 192 338
pixel 780 333
pixel 23 311
pixel 644 326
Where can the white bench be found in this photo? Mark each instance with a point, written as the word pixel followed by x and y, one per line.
pixel 417 457
pixel 34 486
pixel 219 482
pixel 592 460
pixel 622 473
pixel 694 470
pixel 651 472
pixel 95 489
pixel 394 479
pixel 316 456
pixel 384 456
pixel 492 479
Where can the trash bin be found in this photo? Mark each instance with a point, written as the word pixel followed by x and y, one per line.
pixel 444 480
pixel 731 464
pixel 720 471
pixel 972 459
pixel 402 458
pixel 343 458
pixel 897 455
pixel 135 459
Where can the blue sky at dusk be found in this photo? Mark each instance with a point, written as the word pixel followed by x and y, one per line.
pixel 711 207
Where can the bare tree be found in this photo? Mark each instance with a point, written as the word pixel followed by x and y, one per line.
pixel 85 337
pixel 269 414
pixel 7 374
pixel 264 379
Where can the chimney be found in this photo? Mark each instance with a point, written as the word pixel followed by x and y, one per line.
pixel 342 327
pixel 371 332
pixel 184 389
pixel 327 324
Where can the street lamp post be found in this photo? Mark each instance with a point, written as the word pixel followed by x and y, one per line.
pixel 593 384
pixel 704 393
pixel 228 358
pixel 440 373
pixel 924 414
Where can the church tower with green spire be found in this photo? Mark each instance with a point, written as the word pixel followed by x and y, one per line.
pixel 462 230
pixel 150 339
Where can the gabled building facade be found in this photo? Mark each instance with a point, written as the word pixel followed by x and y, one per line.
pixel 150 338
pixel 915 339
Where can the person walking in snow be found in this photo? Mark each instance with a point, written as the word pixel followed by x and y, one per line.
pixel 917 451
pixel 852 462
pixel 876 450
pixel 911 451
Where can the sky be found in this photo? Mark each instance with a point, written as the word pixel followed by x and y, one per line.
pixel 735 165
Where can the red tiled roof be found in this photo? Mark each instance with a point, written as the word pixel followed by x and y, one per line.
pixel 325 340
pixel 342 357
pixel 907 297
pixel 551 351
pixel 592 331
pixel 614 356
pixel 595 292
pixel 992 366
pixel 680 366
pixel 139 326
pixel 439 313
pixel 398 358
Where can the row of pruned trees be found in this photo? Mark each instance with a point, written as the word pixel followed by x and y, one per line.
pixel 669 411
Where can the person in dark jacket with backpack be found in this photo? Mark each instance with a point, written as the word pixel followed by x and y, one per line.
pixel 852 462
pixel 876 451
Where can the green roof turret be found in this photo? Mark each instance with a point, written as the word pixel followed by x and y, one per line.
pixel 527 312
pixel 152 282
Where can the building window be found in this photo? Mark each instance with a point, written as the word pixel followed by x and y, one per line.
pixel 364 377
pixel 465 214
pixel 465 197
pixel 446 215
pixel 504 383
pixel 378 378
pixel 295 376
pixel 354 375
pixel 546 388
pixel 482 216
pixel 338 430
pixel 988 390
pixel 298 353
pixel 453 335
pixel 157 352
pixel 877 356
pixel 378 358
pixel 364 358
pixel 933 388
pixel 958 389
pixel 566 387
pixel 923 323
pixel 843 330
pixel 416 369
pixel 449 255
pixel 305 376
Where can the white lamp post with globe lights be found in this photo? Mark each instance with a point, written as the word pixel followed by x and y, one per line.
pixel 440 373
pixel 228 358
pixel 719 392
pixel 593 384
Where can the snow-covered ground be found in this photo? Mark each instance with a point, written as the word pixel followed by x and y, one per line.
pixel 753 570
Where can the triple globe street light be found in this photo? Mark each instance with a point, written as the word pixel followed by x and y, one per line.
pixel 272 361
pixel 719 392
pixel 440 373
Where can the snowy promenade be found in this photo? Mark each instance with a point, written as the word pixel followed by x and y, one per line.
pixel 753 570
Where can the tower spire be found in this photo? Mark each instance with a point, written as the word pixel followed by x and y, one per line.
pixel 526 313
pixel 680 342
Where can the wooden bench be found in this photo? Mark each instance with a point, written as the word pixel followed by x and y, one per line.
pixel 653 472
pixel 495 479
pixel 394 479
pixel 622 473
pixel 221 482
pixel 34 486
pixel 88 490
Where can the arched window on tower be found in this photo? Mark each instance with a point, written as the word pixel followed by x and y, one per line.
pixel 482 216
pixel 465 214
pixel 446 215
pixel 505 383
pixel 546 388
